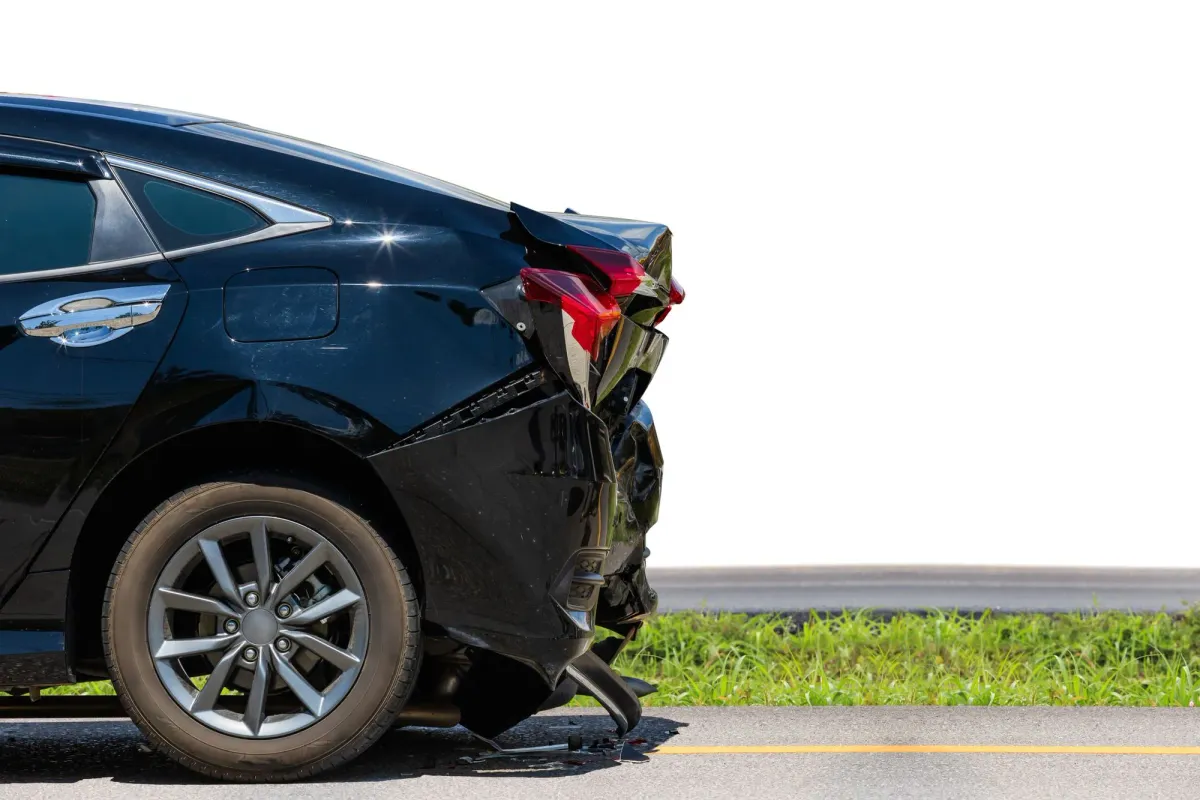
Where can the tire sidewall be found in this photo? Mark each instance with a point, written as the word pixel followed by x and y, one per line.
pixel 169 529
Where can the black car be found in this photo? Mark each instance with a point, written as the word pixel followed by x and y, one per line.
pixel 296 445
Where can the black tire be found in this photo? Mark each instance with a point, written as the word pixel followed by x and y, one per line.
pixel 388 670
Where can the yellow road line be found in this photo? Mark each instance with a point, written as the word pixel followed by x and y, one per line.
pixel 1131 750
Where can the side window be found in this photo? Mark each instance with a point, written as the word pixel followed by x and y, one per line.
pixel 183 216
pixel 45 223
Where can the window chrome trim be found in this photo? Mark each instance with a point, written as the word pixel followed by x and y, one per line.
pixel 276 211
pixel 98 266
pixel 270 232
pixel 285 218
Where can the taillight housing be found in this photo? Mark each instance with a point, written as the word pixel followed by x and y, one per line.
pixel 677 292
pixel 592 312
pixel 677 295
pixel 627 276
pixel 570 312
pixel 577 309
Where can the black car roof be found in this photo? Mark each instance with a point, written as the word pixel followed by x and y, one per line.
pixel 128 129
pixel 99 108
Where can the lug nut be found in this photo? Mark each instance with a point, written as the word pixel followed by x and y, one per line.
pixel 251 599
pixel 231 626
pixel 283 644
pixel 284 611
pixel 250 653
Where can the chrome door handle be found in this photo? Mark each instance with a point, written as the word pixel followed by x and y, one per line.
pixel 97 317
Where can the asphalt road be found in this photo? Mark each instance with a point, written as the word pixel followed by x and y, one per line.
pixel 926 752
pixel 800 589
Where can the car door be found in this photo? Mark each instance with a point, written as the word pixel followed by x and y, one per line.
pixel 88 307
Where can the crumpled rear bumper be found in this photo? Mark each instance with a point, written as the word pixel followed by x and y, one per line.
pixel 504 512
pixel 530 525
pixel 627 597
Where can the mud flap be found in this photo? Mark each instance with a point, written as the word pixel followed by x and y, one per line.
pixel 610 689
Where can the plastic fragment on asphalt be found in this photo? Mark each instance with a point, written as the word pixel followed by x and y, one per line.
pixel 629 753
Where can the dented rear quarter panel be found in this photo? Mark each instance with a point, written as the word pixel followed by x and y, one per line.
pixel 502 509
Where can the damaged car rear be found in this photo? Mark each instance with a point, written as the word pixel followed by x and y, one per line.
pixel 296 446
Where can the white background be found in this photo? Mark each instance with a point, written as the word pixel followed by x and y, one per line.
pixel 941 258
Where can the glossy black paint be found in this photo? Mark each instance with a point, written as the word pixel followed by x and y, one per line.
pixel 284 304
pixel 361 336
pixel 627 597
pixel 60 407
pixel 504 528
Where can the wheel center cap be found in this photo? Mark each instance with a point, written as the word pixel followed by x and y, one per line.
pixel 259 627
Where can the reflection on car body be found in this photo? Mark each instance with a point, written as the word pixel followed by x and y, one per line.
pixel 295 445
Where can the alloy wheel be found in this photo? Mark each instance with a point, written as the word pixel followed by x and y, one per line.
pixel 258 627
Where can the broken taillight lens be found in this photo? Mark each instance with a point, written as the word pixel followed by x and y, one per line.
pixel 677 292
pixel 592 311
pixel 677 295
pixel 623 270
pixel 627 277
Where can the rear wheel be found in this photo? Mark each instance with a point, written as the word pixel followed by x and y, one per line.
pixel 260 631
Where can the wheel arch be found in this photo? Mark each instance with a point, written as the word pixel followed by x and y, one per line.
pixel 201 455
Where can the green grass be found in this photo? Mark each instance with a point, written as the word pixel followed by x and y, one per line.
pixel 941 659
pixel 936 659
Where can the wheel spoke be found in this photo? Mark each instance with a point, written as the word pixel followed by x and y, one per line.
pixel 198 598
pixel 182 648
pixel 261 544
pixel 220 569
pixel 304 691
pixel 206 698
pixel 342 659
pixel 327 607
pixel 201 604
pixel 307 566
pixel 256 703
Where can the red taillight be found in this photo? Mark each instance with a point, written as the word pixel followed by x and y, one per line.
pixel 677 295
pixel 677 292
pixel 627 275
pixel 593 312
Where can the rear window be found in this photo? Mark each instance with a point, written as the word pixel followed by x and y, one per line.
pixel 45 223
pixel 182 216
